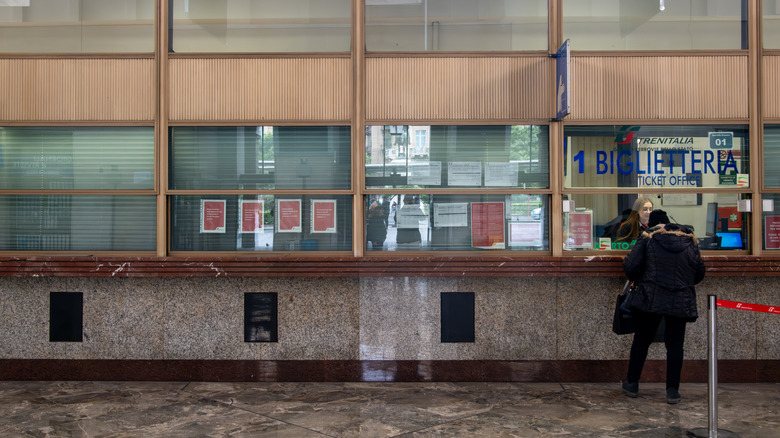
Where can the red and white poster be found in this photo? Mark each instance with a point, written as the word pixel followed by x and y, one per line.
pixel 487 225
pixel 580 231
pixel 288 216
pixel 212 216
pixel 251 216
pixel 732 216
pixel 772 232
pixel 525 234
pixel 323 216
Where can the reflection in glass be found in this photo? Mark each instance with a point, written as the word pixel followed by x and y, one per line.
pixel 771 159
pixel 77 26
pixel 770 12
pixel 438 222
pixel 78 223
pixel 644 25
pixel 261 223
pixel 81 158
pixel 408 156
pixel 263 157
pixel 447 25
pixel 254 26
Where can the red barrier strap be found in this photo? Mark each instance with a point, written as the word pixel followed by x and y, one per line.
pixel 746 306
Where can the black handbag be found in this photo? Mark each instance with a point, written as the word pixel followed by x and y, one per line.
pixel 622 322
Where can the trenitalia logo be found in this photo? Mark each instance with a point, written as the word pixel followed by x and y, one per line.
pixel 626 134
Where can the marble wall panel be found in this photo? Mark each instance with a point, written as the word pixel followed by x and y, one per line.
pixel 400 318
pixel 768 325
pixel 24 317
pixel 584 309
pixel 515 317
pixel 736 329
pixel 123 318
pixel 318 319
pixel 375 318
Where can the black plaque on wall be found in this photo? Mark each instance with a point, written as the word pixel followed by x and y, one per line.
pixel 261 317
pixel 457 316
pixel 66 316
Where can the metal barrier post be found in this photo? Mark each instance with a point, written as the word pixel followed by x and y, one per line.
pixel 712 378
pixel 712 357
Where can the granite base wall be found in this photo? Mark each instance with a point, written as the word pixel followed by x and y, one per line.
pixel 364 319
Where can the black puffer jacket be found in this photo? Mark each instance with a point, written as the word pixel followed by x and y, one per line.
pixel 665 264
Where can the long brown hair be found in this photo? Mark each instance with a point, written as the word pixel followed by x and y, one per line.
pixel 633 218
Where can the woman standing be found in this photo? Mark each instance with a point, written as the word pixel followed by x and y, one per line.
pixel 637 220
pixel 665 266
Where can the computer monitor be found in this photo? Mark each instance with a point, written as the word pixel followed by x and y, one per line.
pixel 711 229
pixel 730 240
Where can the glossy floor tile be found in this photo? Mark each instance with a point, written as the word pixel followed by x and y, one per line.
pixel 180 409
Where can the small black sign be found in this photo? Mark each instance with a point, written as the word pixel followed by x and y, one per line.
pixel 261 317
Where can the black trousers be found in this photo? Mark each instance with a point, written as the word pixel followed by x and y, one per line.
pixel 646 325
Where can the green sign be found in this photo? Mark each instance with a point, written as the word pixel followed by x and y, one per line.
pixel 727 180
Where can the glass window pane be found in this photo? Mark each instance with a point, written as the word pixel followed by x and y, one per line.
pixel 261 26
pixel 770 223
pixel 446 25
pixel 81 158
pixel 771 159
pixel 77 26
pixel 77 223
pixel 405 156
pixel 260 157
pixel 663 157
pixel 655 25
pixel 425 222
pixel 771 24
pixel 261 223
pixel 604 221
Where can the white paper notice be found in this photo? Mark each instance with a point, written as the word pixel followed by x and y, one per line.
pixel 501 174
pixel 425 174
pixel 450 214
pixel 464 173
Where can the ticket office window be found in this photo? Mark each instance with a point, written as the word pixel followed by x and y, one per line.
pixel 674 165
pixel 260 160
pixel 603 221
pixel 107 161
pixel 771 161
pixel 770 221
pixel 656 25
pixel 474 157
pixel 82 223
pixel 77 26
pixel 666 158
pixel 456 222
pixel 261 223
pixel 254 26
pixel 456 25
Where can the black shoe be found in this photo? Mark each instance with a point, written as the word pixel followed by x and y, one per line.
pixel 631 389
pixel 672 396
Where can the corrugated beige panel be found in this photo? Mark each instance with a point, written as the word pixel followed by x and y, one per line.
pixel 771 87
pixel 619 88
pixel 459 88
pixel 260 89
pixel 65 90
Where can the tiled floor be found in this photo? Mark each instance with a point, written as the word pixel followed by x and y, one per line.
pixel 180 409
